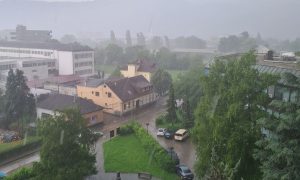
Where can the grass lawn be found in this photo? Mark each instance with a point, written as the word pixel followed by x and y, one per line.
pixel 9 146
pixel 175 73
pixel 108 69
pixel 125 154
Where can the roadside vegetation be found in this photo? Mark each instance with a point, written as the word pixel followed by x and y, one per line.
pixel 140 154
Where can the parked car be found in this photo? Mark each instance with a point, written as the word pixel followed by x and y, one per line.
pixel 161 131
pixel 181 135
pixel 169 134
pixel 173 155
pixel 184 172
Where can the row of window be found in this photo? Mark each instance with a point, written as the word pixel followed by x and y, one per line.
pixel 143 100
pixel 83 55
pixel 81 64
pixel 45 53
pixel 85 71
pixel 7 67
pixel 50 64
pixel 96 93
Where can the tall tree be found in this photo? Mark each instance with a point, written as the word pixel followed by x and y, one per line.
pixel 114 54
pixel 188 116
pixel 141 40
pixel 233 100
pixel 171 106
pixel 112 37
pixel 66 150
pixel 161 81
pixel 167 42
pixel 128 38
pixel 156 42
pixel 279 145
pixel 19 102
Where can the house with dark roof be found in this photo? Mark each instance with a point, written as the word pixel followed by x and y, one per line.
pixel 119 95
pixel 49 105
pixel 139 67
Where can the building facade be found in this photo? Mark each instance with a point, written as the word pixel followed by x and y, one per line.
pixel 119 96
pixel 70 58
pixel 55 103
pixel 139 67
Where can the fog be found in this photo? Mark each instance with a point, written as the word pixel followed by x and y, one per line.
pixel 203 18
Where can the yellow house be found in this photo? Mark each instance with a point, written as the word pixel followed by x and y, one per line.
pixel 120 95
pixel 139 67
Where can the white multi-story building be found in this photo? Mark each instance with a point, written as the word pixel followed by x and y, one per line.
pixel 33 68
pixel 70 58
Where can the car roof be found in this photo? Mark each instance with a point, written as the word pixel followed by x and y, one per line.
pixel 180 131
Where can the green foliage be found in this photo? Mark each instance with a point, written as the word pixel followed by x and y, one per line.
pixel 234 43
pixel 279 146
pixel 116 72
pixel 126 130
pixel 21 174
pixel 188 86
pixel 171 108
pixel 297 53
pixel 227 113
pixel 191 42
pixel 160 120
pixel 19 102
pixel 10 150
pixel 114 54
pixel 161 81
pixel 66 150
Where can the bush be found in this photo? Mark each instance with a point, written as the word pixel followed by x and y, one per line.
pixel 160 120
pixel 13 151
pixel 23 173
pixel 126 129
pixel 152 147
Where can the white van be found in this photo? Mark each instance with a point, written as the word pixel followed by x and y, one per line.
pixel 181 135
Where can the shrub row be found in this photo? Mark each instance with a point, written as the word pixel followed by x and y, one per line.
pixel 150 145
pixel 33 143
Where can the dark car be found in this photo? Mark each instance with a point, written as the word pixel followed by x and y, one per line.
pixel 173 155
pixel 169 134
pixel 184 172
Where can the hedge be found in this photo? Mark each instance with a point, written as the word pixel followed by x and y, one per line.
pixel 150 145
pixel 15 151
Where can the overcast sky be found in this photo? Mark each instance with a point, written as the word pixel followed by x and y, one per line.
pixel 204 18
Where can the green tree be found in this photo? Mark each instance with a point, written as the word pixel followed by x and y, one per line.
pixel 188 120
pixel 188 86
pixel 19 102
pixel 114 54
pixel 279 146
pixel 233 100
pixel 161 81
pixel 116 72
pixel 171 106
pixel 66 150
pixel 68 38
pixel 128 38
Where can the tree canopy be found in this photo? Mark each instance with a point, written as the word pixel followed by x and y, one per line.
pixel 279 146
pixel 66 150
pixel 161 81
pixel 226 118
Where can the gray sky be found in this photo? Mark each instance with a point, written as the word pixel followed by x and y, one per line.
pixel 204 18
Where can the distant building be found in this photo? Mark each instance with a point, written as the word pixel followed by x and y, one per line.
pixel 55 103
pixel 33 68
pixel 23 34
pixel 139 67
pixel 119 96
pixel 70 58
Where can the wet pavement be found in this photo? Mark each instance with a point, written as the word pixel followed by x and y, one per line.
pixel 185 150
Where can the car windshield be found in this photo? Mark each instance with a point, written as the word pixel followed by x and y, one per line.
pixel 186 170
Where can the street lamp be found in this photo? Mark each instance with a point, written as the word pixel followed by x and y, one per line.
pixel 147 124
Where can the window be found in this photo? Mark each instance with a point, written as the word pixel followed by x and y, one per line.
pixel 109 94
pixel 94 118
pixel 105 104
pixel 124 106
pixel 92 92
pixel 97 93
pixel 129 105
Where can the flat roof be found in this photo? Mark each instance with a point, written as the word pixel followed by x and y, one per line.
pixel 52 45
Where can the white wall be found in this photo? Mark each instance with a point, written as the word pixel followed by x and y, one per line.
pixel 40 111
pixel 65 63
